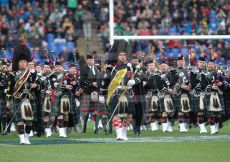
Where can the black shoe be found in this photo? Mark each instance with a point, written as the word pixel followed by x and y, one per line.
pixel 95 131
pixel 105 132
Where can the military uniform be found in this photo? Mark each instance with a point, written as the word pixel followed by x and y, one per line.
pixel 182 97
pixel 59 109
pixel 46 100
pixel 198 78
pixel 23 83
pixel 214 100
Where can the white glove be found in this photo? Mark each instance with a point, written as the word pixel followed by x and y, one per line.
pixel 131 83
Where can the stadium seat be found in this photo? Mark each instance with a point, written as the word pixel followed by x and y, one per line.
pixel 175 51
pixel 50 38
pixel 70 46
pixel 172 31
pixel 185 51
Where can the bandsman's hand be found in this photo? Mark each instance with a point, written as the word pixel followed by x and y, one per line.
pixel 48 92
pixel 69 87
pixel 215 87
pixel 33 85
pixel 78 93
pixel 185 87
pixel 94 84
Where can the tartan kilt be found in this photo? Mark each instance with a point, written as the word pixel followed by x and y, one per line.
pixel 87 105
pixel 55 111
pixel 114 101
pixel 162 106
pixel 195 104
pixel 177 102
pixel 207 102
pixel 74 110
pixel 102 109
pixel 18 115
pixel 147 108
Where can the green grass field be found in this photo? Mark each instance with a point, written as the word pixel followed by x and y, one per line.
pixel 79 147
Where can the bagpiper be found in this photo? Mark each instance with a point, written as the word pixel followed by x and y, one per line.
pixel 166 96
pixel 23 83
pixel 182 94
pixel 214 96
pixel 46 96
pixel 60 105
pixel 153 88
pixel 198 78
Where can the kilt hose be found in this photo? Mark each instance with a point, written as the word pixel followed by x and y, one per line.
pixel 87 105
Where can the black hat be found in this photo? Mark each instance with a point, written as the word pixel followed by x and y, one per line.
pixel 89 57
pixel 72 65
pixel 119 46
pixel 134 58
pixel 21 52
pixel 162 61
pixel 47 62
pixel 58 63
pixel 180 57
pixel 211 60
pixel 150 61
pixel 201 59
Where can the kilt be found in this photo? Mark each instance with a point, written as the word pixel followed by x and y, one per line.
pixel 18 116
pixel 162 106
pixel 102 109
pixel 147 108
pixel 195 104
pixel 207 102
pixel 56 106
pixel 87 105
pixel 74 110
pixel 114 101
pixel 177 102
pixel 55 111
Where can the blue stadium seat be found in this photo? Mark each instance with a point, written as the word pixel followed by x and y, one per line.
pixel 9 54
pixel 51 46
pixel 50 38
pixel 172 31
pixel 185 51
pixel 70 46
pixel 175 51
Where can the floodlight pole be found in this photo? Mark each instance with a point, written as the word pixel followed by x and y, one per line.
pixel 111 21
